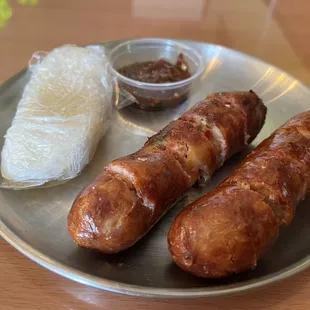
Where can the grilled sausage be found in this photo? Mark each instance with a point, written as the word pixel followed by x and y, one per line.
pixel 229 229
pixel 133 192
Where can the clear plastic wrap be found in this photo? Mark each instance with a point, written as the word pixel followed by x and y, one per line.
pixel 63 113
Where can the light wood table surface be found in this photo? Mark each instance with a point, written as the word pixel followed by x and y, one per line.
pixel 276 31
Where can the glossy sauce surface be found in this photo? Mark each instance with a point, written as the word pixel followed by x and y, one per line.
pixel 160 71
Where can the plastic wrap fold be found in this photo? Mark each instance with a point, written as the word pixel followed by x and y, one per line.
pixel 63 113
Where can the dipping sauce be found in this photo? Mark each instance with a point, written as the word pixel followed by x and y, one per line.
pixel 160 71
pixel 156 72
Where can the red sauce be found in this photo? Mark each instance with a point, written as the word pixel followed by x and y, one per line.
pixel 160 71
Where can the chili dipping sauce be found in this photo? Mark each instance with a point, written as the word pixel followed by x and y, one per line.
pixel 156 72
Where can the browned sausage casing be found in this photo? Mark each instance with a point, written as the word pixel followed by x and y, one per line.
pixel 229 229
pixel 134 191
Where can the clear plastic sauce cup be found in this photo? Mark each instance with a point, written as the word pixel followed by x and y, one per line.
pixel 155 96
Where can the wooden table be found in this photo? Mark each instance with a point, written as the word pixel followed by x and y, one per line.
pixel 275 31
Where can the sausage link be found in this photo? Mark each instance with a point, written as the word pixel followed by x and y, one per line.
pixel 133 192
pixel 229 229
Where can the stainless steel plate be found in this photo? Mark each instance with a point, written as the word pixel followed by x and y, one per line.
pixel 34 221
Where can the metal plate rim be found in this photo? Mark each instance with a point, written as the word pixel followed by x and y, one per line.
pixel 301 84
pixel 140 291
pixel 152 292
